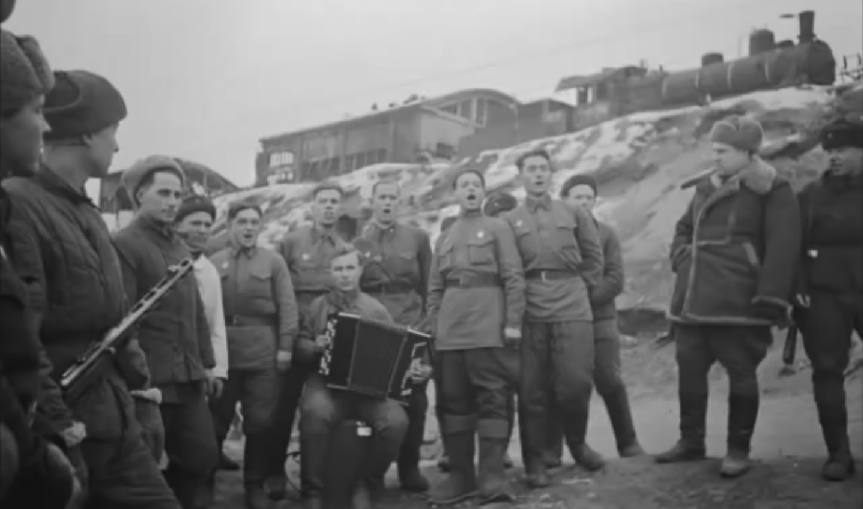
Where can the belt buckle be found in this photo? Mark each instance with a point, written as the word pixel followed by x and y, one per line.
pixel 234 322
pixel 543 276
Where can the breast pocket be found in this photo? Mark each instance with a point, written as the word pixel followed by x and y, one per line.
pixel 260 283
pixel 402 264
pixel 480 252
pixel 445 256
pixel 564 234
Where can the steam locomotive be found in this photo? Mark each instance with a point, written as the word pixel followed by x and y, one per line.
pixel 770 64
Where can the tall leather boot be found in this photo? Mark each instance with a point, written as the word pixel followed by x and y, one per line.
pixel 460 483
pixel 511 416
pixel 620 415
pixel 533 439
pixel 254 470
pixel 410 477
pixel 834 426
pixel 313 460
pixel 493 483
pixel 742 416
pixel 574 425
pixel 690 447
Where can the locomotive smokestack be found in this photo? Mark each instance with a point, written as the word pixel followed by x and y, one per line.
pixel 807 26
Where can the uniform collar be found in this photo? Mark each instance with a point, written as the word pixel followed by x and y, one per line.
pixel 237 251
pixel 535 203
pixel 343 300
pixel 324 234
pixel 467 214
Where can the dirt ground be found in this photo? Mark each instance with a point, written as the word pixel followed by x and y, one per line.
pixel 787 447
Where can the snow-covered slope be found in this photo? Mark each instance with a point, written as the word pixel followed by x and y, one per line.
pixel 639 161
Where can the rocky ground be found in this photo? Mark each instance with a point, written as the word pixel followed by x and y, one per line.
pixel 787 447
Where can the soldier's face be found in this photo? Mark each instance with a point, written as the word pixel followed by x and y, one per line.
pixel 326 207
pixel 161 198
pixel 729 160
pixel 469 191
pixel 245 228
pixel 385 203
pixel 21 136
pixel 536 175
pixel 581 196
pixel 101 148
pixel 846 160
pixel 195 230
pixel 346 271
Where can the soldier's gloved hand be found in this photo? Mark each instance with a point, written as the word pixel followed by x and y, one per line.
pixel 74 434
pixel 511 336
pixel 321 343
pixel 283 360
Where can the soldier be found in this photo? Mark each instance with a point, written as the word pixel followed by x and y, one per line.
pixel 34 471
pixel 62 248
pixel 262 322
pixel 734 257
pixel 829 302
pixel 398 257
pixel 580 191
pixel 323 409
pixel 562 259
pixel 175 334
pixel 194 222
pixel 475 307
pixel 307 252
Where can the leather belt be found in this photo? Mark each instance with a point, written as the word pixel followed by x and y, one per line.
pixel 550 275
pixel 391 288
pixel 240 321
pixel 473 281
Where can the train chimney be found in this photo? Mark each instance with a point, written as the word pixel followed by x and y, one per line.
pixel 807 26
pixel 711 58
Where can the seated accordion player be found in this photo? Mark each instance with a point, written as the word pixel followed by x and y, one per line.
pixel 371 357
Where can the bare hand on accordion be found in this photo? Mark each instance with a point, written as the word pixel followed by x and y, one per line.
pixel 321 343
pixel 511 336
pixel 419 372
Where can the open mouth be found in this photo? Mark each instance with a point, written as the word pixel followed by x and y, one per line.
pixel 387 211
pixel 471 197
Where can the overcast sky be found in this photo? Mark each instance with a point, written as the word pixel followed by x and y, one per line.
pixel 205 80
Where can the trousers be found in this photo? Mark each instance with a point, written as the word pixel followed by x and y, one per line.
pixel 829 323
pixel 322 411
pixel 557 364
pixel 740 350
pixel 189 445
pixel 257 392
pixel 609 384
pixel 291 385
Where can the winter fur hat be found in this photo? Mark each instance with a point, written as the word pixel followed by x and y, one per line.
pixel 742 133
pixel 842 133
pixel 194 204
pixel 82 103
pixel 132 178
pixel 25 71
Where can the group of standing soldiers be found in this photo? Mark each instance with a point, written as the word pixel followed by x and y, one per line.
pixel 521 303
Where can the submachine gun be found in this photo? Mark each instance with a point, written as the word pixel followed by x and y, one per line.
pixel 86 370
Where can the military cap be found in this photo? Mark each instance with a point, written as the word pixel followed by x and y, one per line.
pixel 26 73
pixel 132 178
pixel 194 204
pixel 842 133
pixel 499 203
pixel 742 133
pixel 82 103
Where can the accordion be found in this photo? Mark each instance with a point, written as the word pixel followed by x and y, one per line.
pixel 370 357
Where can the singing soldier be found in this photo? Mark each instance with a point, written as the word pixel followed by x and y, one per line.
pixel 323 409
pixel 580 191
pixel 734 258
pixel 307 253
pixel 475 307
pixel 175 335
pixel 61 246
pixel 830 285
pixel 396 274
pixel 563 261
pixel 261 315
